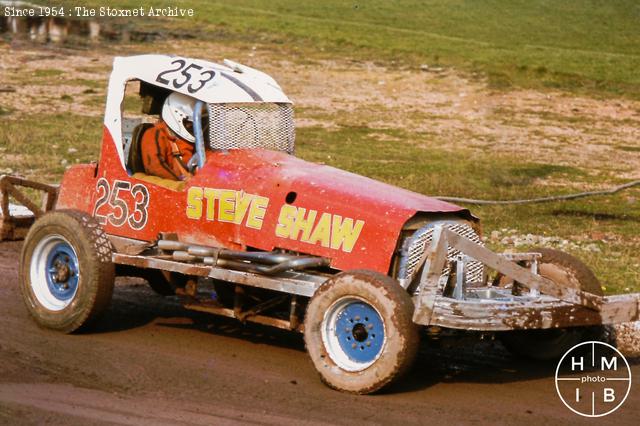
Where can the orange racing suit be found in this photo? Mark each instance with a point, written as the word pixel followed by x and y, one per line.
pixel 164 154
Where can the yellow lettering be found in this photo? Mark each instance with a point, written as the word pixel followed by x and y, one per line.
pixel 233 207
pixel 322 231
pixel 285 221
pixel 194 202
pixel 344 233
pixel 211 195
pixel 257 212
pixel 242 205
pixel 226 205
pixel 304 225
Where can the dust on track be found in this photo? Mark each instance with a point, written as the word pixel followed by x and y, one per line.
pixel 148 361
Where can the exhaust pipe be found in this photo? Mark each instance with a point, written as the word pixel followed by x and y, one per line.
pixel 266 263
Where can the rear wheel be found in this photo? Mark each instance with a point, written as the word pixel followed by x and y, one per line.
pixel 359 331
pixel 225 293
pixel 549 344
pixel 66 273
pixel 165 283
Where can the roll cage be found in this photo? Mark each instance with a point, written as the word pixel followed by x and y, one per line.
pixel 207 82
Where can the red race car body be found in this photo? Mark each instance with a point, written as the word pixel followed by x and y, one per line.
pixel 254 198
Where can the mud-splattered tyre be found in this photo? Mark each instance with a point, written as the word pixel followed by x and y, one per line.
pixel 359 332
pixel 543 345
pixel 164 283
pixel 225 293
pixel 66 273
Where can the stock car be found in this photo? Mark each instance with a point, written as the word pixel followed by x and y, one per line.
pixel 359 266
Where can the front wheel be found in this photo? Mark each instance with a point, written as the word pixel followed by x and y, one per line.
pixel 66 273
pixel 559 267
pixel 359 332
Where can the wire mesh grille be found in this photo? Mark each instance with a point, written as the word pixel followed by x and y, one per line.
pixel 260 125
pixel 415 246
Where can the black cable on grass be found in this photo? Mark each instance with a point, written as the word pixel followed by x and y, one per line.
pixel 609 191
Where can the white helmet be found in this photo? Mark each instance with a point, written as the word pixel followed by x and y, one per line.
pixel 177 109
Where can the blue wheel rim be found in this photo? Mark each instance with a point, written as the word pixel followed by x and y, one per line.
pixel 355 334
pixel 62 271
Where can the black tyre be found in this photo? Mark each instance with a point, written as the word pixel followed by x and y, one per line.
pixel 559 267
pixel 359 331
pixel 225 293
pixel 66 272
pixel 164 283
pixel 562 267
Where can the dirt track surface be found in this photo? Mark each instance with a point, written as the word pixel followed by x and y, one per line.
pixel 151 362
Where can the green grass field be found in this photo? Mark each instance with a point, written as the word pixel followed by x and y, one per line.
pixel 578 47
pixel 615 259
pixel 588 46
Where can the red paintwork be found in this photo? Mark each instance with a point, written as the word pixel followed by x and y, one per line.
pixel 384 208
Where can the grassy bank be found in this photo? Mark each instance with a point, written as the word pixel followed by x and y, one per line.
pixel 504 146
pixel 585 46
pixel 601 231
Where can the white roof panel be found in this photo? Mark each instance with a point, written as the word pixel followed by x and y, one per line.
pixel 203 80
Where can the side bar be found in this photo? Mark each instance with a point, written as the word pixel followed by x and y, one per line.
pixel 297 283
pixel 544 312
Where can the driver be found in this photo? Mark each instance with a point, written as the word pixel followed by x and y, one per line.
pixel 168 146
